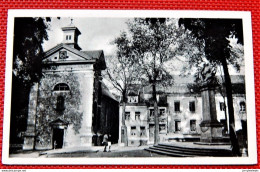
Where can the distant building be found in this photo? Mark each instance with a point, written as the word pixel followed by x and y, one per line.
pixel 180 112
pixel 71 106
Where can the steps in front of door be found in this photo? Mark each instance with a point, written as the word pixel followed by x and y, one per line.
pixel 183 151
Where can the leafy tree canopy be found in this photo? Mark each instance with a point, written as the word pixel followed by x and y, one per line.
pixel 29 34
pixel 215 34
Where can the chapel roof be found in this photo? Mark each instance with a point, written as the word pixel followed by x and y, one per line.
pixel 106 92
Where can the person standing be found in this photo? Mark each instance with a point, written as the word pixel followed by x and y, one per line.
pixel 109 143
pixel 105 142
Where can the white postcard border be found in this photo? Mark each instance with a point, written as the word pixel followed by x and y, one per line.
pixel 249 75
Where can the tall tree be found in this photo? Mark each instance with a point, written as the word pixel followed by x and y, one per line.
pixel 29 34
pixel 214 34
pixel 153 46
pixel 122 72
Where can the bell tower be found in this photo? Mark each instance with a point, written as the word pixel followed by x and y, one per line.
pixel 70 36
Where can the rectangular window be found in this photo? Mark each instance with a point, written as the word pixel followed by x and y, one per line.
pixel 69 37
pixel 192 106
pixel 137 115
pixel 222 106
pixel 177 106
pixel 242 106
pixel 142 131
pixel 192 125
pixel 177 126
pixel 127 115
pixel 162 112
pixel 151 113
pixel 133 131
pixel 162 128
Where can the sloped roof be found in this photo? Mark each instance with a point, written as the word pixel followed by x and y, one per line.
pixel 181 83
pixel 94 54
pixel 71 27
pixel 99 56
pixel 106 92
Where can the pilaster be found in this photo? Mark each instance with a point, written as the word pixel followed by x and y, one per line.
pixel 29 136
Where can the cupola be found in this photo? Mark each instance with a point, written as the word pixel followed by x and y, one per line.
pixel 70 36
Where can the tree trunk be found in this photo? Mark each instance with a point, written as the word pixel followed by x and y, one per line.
pixel 232 131
pixel 156 117
pixel 123 127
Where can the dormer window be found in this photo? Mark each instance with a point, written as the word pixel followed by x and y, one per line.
pixel 132 99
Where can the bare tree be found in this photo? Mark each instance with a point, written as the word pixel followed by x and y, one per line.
pixel 147 53
pixel 153 45
pixel 122 73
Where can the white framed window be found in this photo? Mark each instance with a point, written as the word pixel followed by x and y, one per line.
pixel 137 115
pixel 177 125
pixel 161 112
pixel 127 115
pixel 142 131
pixel 133 131
pixel 162 128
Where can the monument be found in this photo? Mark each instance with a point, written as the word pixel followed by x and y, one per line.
pixel 211 128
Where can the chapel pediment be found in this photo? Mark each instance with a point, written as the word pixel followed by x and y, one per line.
pixel 62 53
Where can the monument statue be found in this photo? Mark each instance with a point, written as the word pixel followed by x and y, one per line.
pixel 207 82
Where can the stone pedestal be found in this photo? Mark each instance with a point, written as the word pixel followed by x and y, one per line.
pixel 29 141
pixel 211 129
pixel 86 140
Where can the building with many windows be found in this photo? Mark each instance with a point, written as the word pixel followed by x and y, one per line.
pixel 180 112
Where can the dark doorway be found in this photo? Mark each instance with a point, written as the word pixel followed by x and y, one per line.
pixel 151 132
pixel 58 138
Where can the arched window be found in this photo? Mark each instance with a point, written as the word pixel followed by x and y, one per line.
pixel 60 103
pixel 61 87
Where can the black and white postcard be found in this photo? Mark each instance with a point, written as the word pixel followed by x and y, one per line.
pixel 129 87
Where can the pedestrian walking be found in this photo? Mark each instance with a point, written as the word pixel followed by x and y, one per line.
pixel 105 142
pixel 109 143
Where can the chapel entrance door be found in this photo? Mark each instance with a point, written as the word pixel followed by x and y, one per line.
pixel 58 135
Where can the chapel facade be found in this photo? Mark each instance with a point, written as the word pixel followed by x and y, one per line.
pixel 66 107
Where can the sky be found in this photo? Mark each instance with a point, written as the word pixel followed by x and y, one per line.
pixel 96 33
